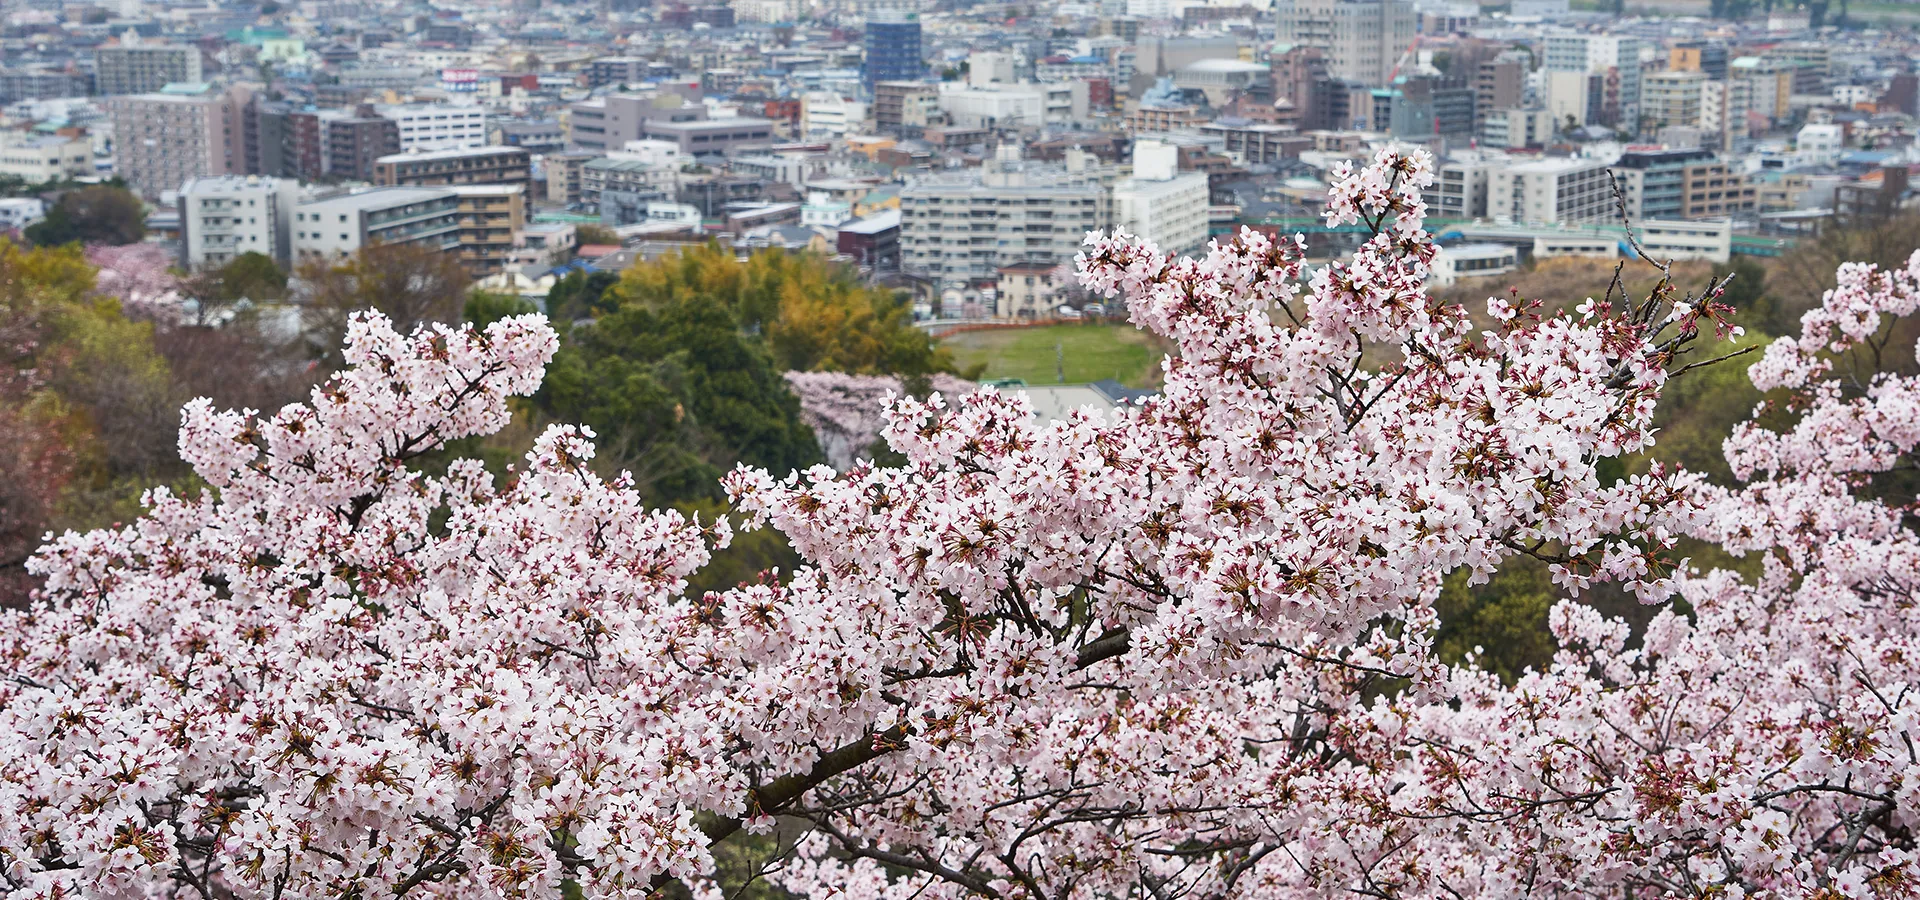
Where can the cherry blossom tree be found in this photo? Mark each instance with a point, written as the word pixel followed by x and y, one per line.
pixel 1179 649
pixel 847 412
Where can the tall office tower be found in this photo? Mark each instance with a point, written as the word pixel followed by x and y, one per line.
pixel 1363 39
pixel 893 51
pixel 144 68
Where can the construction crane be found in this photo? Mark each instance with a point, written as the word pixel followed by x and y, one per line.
pixel 1411 49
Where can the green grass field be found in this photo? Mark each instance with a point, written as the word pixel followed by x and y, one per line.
pixel 1090 353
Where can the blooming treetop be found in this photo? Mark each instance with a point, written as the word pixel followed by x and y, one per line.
pixel 1181 648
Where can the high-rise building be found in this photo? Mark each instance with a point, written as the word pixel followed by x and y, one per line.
pixel 144 68
pixel 1364 40
pixel 185 131
pixel 893 51
pixel 1672 98
pixel 1500 83
pixel 354 142
pixel 224 216
pixel 1615 58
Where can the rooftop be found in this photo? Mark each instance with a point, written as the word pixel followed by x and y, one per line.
pixel 381 197
pixel 492 150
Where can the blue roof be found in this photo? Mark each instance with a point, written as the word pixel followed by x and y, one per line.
pixel 578 265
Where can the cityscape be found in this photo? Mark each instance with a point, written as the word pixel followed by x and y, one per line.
pixel 959 450
pixel 947 148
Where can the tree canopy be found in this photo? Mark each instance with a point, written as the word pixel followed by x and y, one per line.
pixel 96 214
pixel 1183 649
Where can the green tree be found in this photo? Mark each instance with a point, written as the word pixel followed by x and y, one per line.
pixel 678 395
pixel 816 315
pixel 485 308
pixel 97 214
pixel 580 295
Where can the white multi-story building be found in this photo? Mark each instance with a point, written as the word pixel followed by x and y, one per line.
pixel 763 10
pixel 336 227
pixel 1820 145
pixel 1708 240
pixel 1723 108
pixel 1551 191
pixel 225 216
pixel 1363 39
pixel 1852 94
pixel 1509 128
pixel 1161 204
pixel 141 68
pixel 426 128
pixel 1004 106
pixel 828 113
pixel 963 227
pixel 44 157
pixel 1616 59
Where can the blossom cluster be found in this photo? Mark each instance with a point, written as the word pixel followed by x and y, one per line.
pixel 1181 648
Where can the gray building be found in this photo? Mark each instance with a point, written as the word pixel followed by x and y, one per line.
pixel 143 68
pixel 716 137
pixel 608 123
pixel 186 131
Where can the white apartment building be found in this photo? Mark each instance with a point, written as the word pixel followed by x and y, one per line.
pixel 963 228
pixel 1159 203
pixel 985 67
pixel 139 68
pixel 1616 58
pixel 1509 128
pixel 425 128
pixel 224 216
pixel 827 113
pixel 336 227
pixel 1550 191
pixel 1363 39
pixel 1459 189
pixel 35 158
pixel 1708 240
pixel 1820 145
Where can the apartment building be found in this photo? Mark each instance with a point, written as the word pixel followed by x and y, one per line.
pixel 1361 39
pixel 1517 128
pixel 1551 191
pixel 1673 98
pixel 430 127
pixel 350 145
pixel 184 131
pixel 224 216
pixel 337 227
pixel 1459 190
pixel 1255 144
pixel 491 218
pixel 1615 58
pixel 1723 110
pixel 597 176
pixel 1499 84
pixel 35 84
pixel 37 158
pixel 144 68
pixel 564 172
pixel 827 113
pixel 477 165
pixel 905 104
pixel 962 227
pixel 1160 203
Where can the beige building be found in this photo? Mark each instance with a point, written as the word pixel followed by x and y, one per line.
pixel 1026 291
pixel 491 219
pixel 478 165
pixel 186 131
pixel 1672 98
pixel 1363 39
pixel 36 158
pixel 962 227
